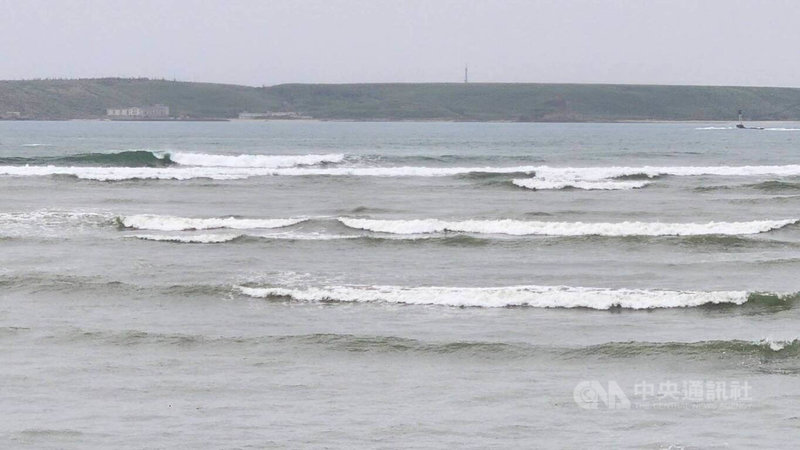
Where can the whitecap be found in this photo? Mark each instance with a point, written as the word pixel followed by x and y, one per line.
pixel 237 173
pixel 542 173
pixel 526 228
pixel 171 223
pixel 498 297
pixel 537 184
pixel 188 239
pixel 244 161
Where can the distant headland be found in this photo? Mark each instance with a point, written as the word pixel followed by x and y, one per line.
pixel 105 98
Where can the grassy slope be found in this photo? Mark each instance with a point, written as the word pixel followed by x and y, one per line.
pixel 540 102
pixel 90 98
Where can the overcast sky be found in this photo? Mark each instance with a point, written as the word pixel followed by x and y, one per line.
pixel 265 42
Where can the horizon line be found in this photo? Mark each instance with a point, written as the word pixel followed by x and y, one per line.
pixel 176 80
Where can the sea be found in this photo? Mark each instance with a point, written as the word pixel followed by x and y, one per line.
pixel 302 284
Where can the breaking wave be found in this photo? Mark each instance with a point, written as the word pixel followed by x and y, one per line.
pixel 170 223
pixel 124 173
pixel 51 223
pixel 238 173
pixel 264 161
pixel 605 173
pixel 188 239
pixel 53 217
pixel 221 167
pixel 459 240
pixel 622 178
pixel 144 164
pixel 525 228
pixel 133 158
pixel 537 184
pixel 146 158
pixel 499 297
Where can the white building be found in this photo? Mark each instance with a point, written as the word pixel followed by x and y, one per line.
pixel 154 111
pixel 288 115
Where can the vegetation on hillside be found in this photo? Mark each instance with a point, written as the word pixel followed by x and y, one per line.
pixel 89 98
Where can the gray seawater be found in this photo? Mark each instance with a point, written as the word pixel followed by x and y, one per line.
pixel 306 284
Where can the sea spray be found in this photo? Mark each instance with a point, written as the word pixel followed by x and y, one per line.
pixel 526 228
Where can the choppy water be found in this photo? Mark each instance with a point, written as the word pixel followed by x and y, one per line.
pixel 308 284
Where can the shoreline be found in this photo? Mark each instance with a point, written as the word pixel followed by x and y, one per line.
pixel 393 102
pixel 236 120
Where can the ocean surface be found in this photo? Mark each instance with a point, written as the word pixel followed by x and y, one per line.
pixel 385 285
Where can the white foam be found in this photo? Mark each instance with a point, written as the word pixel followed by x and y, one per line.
pixel 125 173
pixel 782 129
pixel 263 161
pixel 188 239
pixel 776 346
pixel 524 228
pixel 496 297
pixel 604 177
pixel 604 173
pixel 170 223
pixel 543 173
pixel 537 184
pixel 715 128
pixel 234 173
pixel 307 236
pixel 405 171
pixel 47 222
pixel 52 217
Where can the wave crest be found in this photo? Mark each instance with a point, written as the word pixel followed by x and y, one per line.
pixel 188 239
pixel 239 173
pixel 573 176
pixel 131 158
pixel 170 223
pixel 537 184
pixel 602 173
pixel 531 228
pixel 262 161
pixel 498 297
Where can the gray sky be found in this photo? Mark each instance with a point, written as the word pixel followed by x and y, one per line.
pixel 716 42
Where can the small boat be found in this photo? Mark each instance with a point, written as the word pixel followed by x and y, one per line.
pixel 740 125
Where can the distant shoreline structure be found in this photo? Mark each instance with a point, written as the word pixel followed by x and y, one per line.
pixel 140 112
pixel 146 99
pixel 155 119
pixel 273 115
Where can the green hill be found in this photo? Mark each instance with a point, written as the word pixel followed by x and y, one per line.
pixel 89 98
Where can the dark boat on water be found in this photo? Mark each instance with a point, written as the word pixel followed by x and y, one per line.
pixel 741 124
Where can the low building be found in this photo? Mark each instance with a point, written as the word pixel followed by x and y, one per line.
pixel 274 115
pixel 144 112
